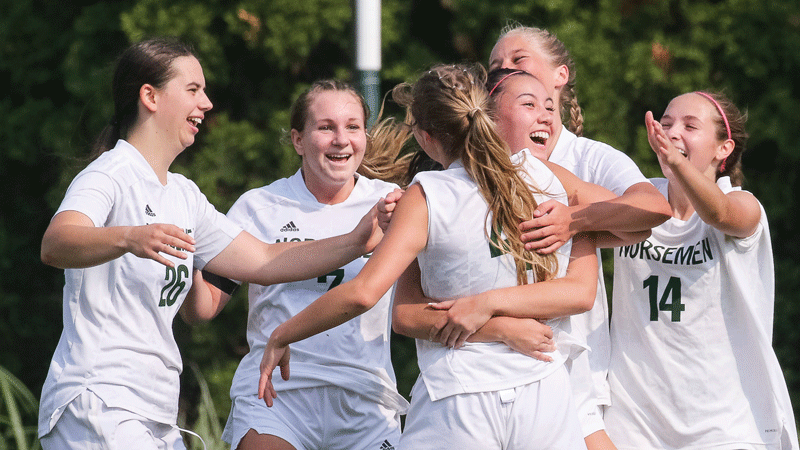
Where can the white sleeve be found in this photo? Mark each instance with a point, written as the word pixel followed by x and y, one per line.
pixel 748 243
pixel 611 168
pixel 91 193
pixel 214 231
pixel 241 212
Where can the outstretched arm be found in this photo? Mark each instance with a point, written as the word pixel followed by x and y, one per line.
pixel 594 208
pixel 736 213
pixel 248 259
pixel 406 236
pixel 72 241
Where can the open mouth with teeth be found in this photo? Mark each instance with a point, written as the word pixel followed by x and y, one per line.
pixel 338 157
pixel 540 137
pixel 196 121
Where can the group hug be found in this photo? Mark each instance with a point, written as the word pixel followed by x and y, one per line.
pixel 473 224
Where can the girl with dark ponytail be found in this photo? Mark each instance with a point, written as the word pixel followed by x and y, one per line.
pixel 131 237
pixel 146 62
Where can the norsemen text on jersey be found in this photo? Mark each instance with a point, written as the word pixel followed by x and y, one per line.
pixel 691 255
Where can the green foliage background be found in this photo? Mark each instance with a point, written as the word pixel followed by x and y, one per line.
pixel 632 56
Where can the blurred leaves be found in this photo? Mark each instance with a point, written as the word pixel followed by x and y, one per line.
pixel 632 56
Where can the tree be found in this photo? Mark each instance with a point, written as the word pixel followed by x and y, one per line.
pixel 631 55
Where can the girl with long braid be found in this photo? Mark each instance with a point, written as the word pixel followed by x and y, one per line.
pixel 638 207
pixel 541 53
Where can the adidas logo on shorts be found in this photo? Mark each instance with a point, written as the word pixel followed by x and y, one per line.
pixel 386 446
pixel 289 227
pixel 149 211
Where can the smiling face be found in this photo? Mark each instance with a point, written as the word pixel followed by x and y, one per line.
pixel 691 123
pixel 332 144
pixel 525 115
pixel 182 103
pixel 516 51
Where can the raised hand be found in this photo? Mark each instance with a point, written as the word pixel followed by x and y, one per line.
pixel 663 147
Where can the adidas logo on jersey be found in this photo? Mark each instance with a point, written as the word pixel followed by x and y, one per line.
pixel 149 211
pixel 386 446
pixel 289 227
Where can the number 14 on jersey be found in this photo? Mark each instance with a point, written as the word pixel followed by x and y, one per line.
pixel 670 298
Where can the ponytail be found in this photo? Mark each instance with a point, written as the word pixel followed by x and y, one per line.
pixel 146 62
pixel 452 105
pixel 106 140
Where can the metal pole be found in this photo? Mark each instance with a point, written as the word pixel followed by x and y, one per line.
pixel 368 53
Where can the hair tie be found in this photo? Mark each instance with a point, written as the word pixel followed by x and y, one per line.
pixel 503 79
pixel 471 113
pixel 721 112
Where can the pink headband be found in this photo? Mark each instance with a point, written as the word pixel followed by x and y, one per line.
pixel 721 112
pixel 504 79
pixel 724 119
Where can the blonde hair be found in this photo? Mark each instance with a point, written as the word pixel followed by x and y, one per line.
pixel 451 104
pixel 557 54
pixel 384 141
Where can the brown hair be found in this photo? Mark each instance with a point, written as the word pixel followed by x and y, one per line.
pixel 146 62
pixel 452 105
pixel 732 165
pixel 495 80
pixel 556 52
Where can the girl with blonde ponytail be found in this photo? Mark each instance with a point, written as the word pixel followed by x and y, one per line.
pixel 458 118
pixel 461 226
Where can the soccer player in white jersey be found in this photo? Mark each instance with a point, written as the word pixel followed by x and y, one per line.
pixel 466 224
pixel 130 235
pixel 342 393
pixel 639 207
pixel 692 364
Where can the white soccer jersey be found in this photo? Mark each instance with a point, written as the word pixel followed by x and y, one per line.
pixel 457 213
pixel 692 365
pixel 603 165
pixel 354 355
pixel 117 339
